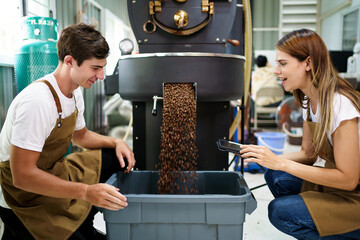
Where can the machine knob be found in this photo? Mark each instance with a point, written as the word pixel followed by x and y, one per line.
pixel 233 42
pixel 181 19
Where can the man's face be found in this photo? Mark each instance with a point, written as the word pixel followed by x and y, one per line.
pixel 88 72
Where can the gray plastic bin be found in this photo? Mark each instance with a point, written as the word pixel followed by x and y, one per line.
pixel 216 212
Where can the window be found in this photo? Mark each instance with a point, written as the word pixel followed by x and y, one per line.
pixel 265 24
pixel 38 8
pixel 116 30
pixel 11 20
pixel 92 13
pixel 350 30
pixel 10 28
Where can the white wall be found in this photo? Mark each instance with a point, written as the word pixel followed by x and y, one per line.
pixel 331 26
pixel 331 32
pixel 270 54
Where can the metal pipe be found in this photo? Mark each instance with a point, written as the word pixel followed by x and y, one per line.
pixel 247 70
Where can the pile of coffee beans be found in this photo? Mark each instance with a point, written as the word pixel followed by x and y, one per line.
pixel 178 154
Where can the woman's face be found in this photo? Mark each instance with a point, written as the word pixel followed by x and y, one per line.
pixel 294 74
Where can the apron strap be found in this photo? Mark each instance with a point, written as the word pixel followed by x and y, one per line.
pixel 308 115
pixel 56 97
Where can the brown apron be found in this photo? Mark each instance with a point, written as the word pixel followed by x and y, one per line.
pixel 47 217
pixel 334 211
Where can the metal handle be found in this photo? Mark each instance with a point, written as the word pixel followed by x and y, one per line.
pixel 154 111
pixel 181 32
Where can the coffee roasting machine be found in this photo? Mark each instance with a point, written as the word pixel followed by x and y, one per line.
pixel 190 41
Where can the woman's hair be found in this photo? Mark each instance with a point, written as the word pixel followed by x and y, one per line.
pixel 301 44
pixel 82 42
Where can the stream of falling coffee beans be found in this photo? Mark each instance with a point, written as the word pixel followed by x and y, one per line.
pixel 178 154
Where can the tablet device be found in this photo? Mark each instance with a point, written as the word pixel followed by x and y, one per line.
pixel 229 146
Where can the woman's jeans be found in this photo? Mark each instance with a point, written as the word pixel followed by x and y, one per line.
pixel 288 212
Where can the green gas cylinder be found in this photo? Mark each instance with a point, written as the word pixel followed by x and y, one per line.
pixel 37 55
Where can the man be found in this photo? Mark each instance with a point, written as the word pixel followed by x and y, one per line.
pixel 44 195
pixel 264 76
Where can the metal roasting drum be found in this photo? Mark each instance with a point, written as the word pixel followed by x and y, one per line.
pixel 197 41
pixel 182 41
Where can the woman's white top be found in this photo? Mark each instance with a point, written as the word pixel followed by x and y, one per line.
pixel 343 110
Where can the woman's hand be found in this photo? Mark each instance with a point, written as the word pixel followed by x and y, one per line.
pixel 261 155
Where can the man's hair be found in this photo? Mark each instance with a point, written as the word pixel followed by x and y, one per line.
pixel 82 42
pixel 261 61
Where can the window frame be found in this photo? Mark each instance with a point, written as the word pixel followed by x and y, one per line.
pixel 343 16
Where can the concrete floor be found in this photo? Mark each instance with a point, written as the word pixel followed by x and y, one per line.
pixel 257 225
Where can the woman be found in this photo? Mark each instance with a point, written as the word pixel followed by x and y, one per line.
pixel 313 202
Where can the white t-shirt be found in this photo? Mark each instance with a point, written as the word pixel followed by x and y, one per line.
pixel 32 116
pixel 264 77
pixel 343 110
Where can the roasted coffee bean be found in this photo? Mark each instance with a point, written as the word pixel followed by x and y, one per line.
pixel 178 154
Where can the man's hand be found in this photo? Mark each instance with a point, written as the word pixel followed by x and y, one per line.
pixel 92 140
pixel 123 151
pixel 27 176
pixel 105 196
